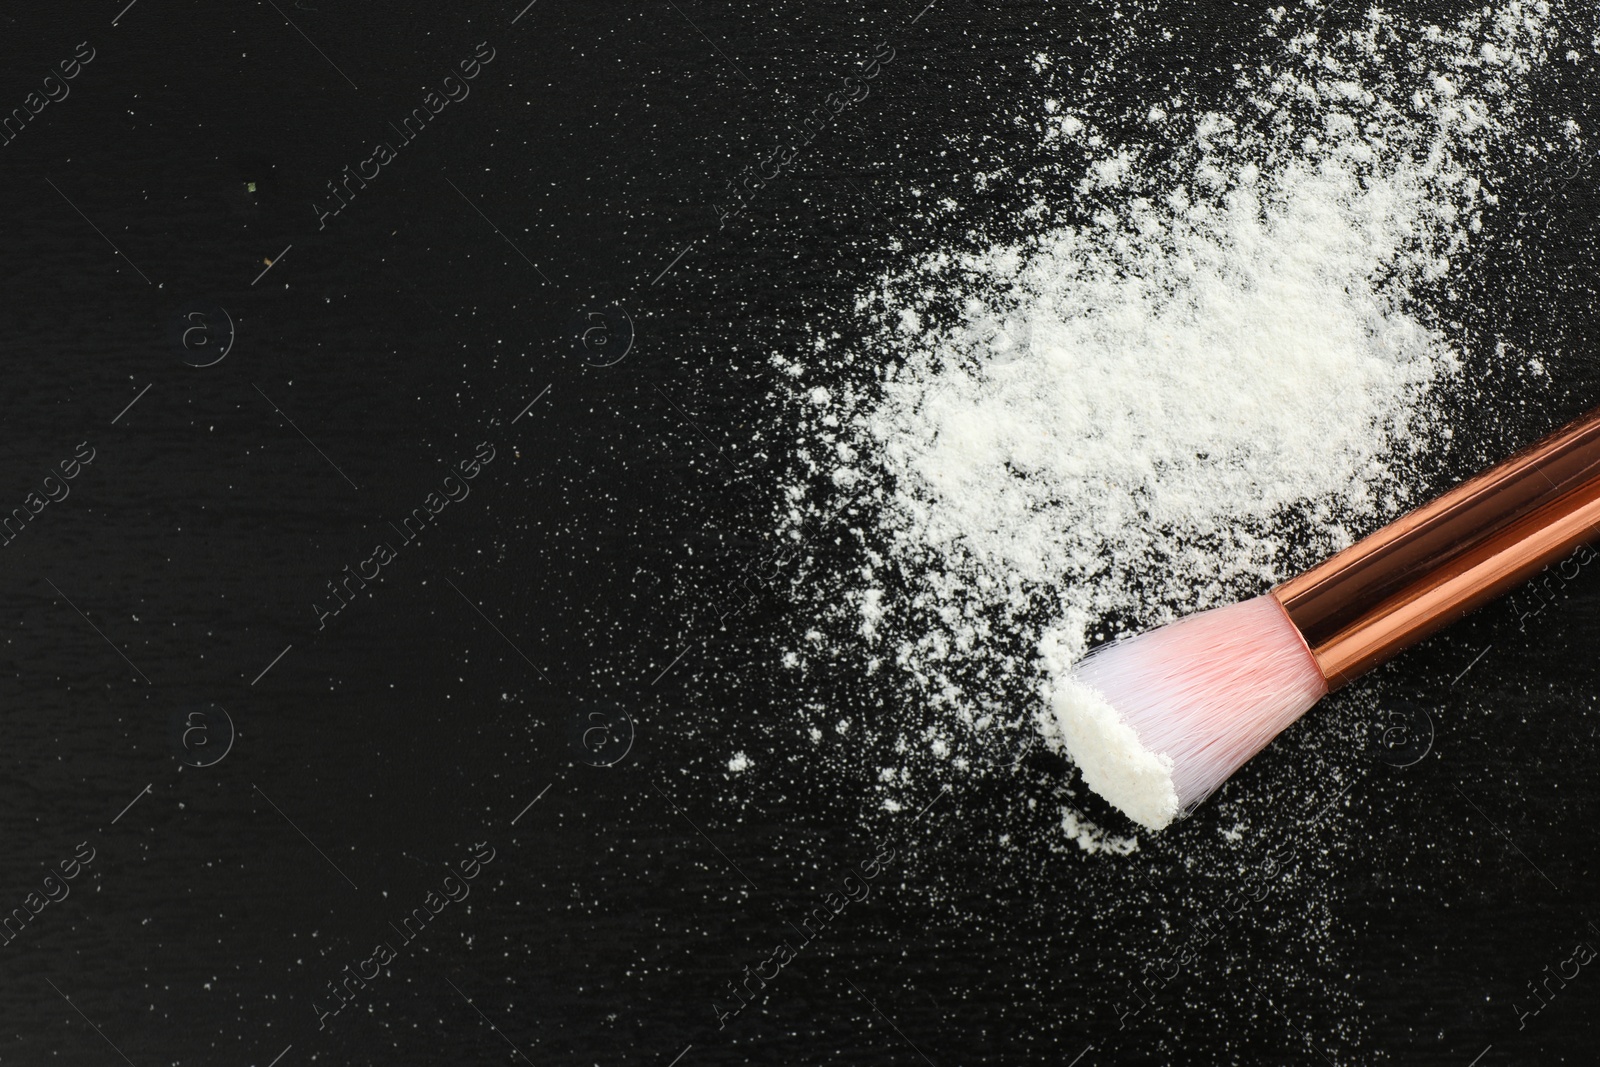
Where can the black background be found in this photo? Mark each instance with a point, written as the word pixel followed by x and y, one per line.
pixel 589 572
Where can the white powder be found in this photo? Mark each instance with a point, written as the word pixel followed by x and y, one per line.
pixel 1091 838
pixel 1203 372
pixel 1112 759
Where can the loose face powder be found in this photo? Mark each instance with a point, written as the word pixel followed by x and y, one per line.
pixel 1208 368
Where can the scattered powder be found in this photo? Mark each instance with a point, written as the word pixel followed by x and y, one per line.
pixel 1082 408
pixel 1208 366
pixel 739 763
pixel 1092 838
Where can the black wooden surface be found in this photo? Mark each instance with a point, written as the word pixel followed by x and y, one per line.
pixel 561 637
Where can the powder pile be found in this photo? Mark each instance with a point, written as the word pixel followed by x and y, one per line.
pixel 1209 369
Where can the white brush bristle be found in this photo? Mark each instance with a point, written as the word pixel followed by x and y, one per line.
pixel 1158 721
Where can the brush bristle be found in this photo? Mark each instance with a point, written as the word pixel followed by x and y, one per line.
pixel 1158 721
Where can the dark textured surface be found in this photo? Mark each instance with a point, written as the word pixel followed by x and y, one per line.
pixel 535 629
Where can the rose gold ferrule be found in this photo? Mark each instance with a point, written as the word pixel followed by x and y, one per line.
pixel 1430 567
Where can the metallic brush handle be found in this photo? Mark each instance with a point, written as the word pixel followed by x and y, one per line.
pixel 1430 567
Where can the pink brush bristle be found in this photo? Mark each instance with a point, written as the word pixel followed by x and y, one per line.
pixel 1158 721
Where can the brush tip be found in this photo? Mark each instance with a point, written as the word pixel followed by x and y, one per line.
pixel 1108 752
pixel 1158 721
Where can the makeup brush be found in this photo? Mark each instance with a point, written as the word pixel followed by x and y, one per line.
pixel 1157 721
